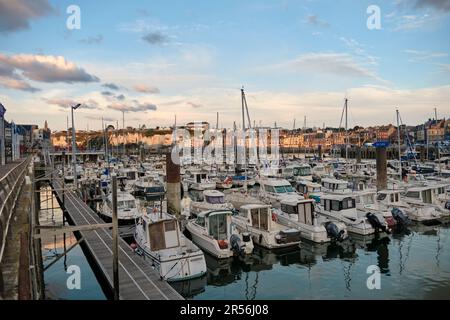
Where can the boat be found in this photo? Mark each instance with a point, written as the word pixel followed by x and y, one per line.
pixel 241 197
pixel 243 180
pixel 330 185
pixel 422 204
pixel 342 208
pixel 258 220
pixel 213 232
pixel 199 180
pixel 212 200
pixel 149 186
pixel 273 190
pixel 308 189
pixel 301 215
pixel 224 182
pixel 158 237
pixel 127 208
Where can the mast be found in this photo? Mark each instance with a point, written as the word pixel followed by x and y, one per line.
pixel 217 121
pixel 242 106
pixel 399 146
pixel 123 126
pixel 346 130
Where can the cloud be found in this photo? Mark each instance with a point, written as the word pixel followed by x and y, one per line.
pixel 424 55
pixel 155 38
pixel 120 97
pixel 359 50
pixel 93 40
pixel 194 105
pixel 441 5
pixel 146 89
pixel 16 15
pixel 412 22
pixel 111 86
pixel 17 84
pixel 47 68
pixel 107 93
pixel 338 64
pixel 138 107
pixel 68 102
pixel 445 67
pixel 315 21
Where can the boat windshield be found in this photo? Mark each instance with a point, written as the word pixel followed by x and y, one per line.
pixel 218 226
pixel 381 196
pixel 413 194
pixel 283 189
pixel 127 204
pixel 215 199
pixel 302 171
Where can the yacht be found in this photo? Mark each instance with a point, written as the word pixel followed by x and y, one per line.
pixel 213 232
pixel 422 204
pixel 273 190
pixel 212 200
pixel 127 208
pixel 149 186
pixel 330 185
pixel 342 208
pixel 258 220
pixel 176 258
pixel 199 180
pixel 301 215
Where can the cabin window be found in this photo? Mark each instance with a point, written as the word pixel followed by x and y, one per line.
pixel 218 226
pixel 381 196
pixel 260 218
pixel 426 196
pixel 156 236
pixel 396 197
pixel 215 199
pixel 392 197
pixel 255 218
pixel 348 203
pixel 335 205
pixel 327 205
pixel 413 194
pixel 200 221
pixel 169 225
pixel 269 189
pixel 199 178
pixel 203 176
pixel 289 209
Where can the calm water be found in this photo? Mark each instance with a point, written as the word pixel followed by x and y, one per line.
pixel 414 264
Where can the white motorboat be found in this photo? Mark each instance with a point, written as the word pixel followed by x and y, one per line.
pixel 301 215
pixel 342 208
pixel 176 258
pixel 241 197
pixel 213 232
pixel 258 220
pixel 422 204
pixel 273 190
pixel 127 208
pixel 212 200
pixel 149 186
pixel 199 180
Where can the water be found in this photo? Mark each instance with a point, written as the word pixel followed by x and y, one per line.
pixel 56 276
pixel 413 264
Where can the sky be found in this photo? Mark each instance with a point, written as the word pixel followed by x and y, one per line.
pixel 153 60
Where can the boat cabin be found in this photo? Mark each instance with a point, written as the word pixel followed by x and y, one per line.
pixel 277 186
pixel 303 209
pixel 216 223
pixel 259 216
pixel 163 233
pixel 420 194
pixel 335 185
pixel 213 197
pixel 307 187
pixel 389 197
pixel 343 204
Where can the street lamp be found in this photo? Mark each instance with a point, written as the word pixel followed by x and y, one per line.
pixel 74 144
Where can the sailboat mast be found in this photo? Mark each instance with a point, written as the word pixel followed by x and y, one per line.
pixel 399 146
pixel 346 130
pixel 242 105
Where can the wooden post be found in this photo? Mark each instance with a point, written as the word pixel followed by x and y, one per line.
pixel 115 238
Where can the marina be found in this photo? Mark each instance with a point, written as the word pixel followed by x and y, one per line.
pixel 222 151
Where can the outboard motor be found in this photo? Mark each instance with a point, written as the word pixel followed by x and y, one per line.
pixel 376 223
pixel 400 217
pixel 447 205
pixel 333 231
pixel 237 245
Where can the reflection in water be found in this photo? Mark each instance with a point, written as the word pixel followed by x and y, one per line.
pixel 337 270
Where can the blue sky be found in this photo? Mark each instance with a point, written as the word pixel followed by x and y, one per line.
pixel 295 58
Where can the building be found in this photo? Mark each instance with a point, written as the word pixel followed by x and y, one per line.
pixel 2 134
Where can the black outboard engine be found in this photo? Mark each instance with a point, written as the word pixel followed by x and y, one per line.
pixel 236 245
pixel 376 223
pixel 333 231
pixel 400 217
pixel 447 205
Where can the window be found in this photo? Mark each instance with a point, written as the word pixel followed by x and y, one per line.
pixel 200 221
pixel 381 196
pixel 280 189
pixel 348 203
pixel 269 189
pixel 215 199
pixel 309 213
pixel 396 197
pixel 255 217
pixel 264 218
pixel 334 205
pixel 392 197
pixel 413 194
pixel 169 225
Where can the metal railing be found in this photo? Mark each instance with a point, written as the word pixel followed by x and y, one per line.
pixel 10 185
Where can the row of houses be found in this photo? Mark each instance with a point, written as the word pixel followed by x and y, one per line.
pixel 18 140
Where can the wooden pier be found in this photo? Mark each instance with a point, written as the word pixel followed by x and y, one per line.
pixel 137 279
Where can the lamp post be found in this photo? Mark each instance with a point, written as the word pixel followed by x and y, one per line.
pixel 74 144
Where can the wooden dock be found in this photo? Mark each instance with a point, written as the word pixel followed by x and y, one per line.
pixel 137 279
